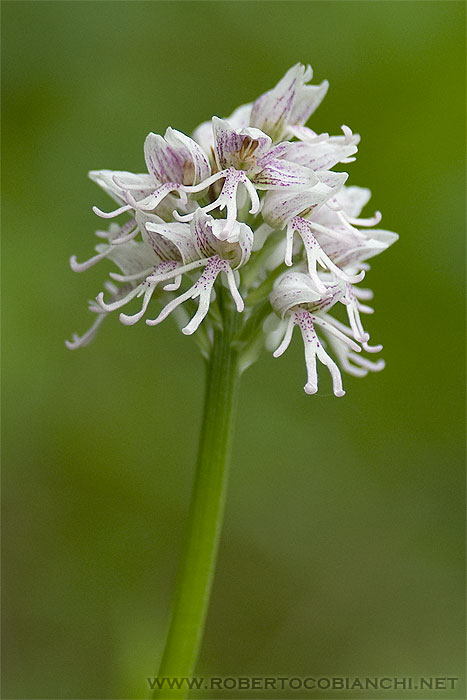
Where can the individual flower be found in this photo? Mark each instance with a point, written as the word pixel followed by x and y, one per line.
pixel 297 302
pixel 330 238
pixel 349 240
pixel 200 245
pixel 247 156
pixel 280 208
pixel 172 161
pixel 167 252
pixel 134 260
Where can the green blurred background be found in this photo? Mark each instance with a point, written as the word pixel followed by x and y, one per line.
pixel 343 546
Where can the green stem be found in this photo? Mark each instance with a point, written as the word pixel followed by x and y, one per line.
pixel 206 511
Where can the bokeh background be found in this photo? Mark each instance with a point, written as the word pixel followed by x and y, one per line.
pixel 343 546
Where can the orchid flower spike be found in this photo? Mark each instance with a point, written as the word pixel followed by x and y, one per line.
pixel 248 213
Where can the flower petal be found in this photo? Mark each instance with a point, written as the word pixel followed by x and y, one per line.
pixel 292 289
pixel 203 237
pixel 179 235
pixel 161 245
pixel 201 168
pixel 133 257
pixel 163 161
pixel 204 137
pixel 271 112
pixel 116 183
pixel 323 155
pixel 348 250
pixel 352 199
pixel 277 174
pixel 307 100
pixel 279 206
pixel 290 103
pixel 175 158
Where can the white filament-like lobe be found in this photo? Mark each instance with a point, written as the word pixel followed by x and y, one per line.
pixel 113 305
pixel 351 362
pixel 202 289
pixel 227 198
pixel 322 152
pixel 129 320
pixel 83 340
pixel 150 202
pixel 315 254
pixel 147 288
pixel 313 349
pixel 111 214
pixel 78 341
pixel 116 235
pixel 82 267
pixel 353 313
pixel 124 238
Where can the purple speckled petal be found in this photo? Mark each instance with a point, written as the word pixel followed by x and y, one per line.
pixel 325 154
pixel 350 251
pixel 307 99
pixel 175 158
pixel 280 206
pixel 117 183
pixel 281 174
pixel 271 111
pixel 196 166
pixel 292 289
pixel 315 254
pixel 179 235
pixel 226 142
pixel 161 245
pixel 163 161
pixel 203 237
pixel 278 151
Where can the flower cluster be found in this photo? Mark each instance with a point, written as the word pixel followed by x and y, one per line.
pixel 250 204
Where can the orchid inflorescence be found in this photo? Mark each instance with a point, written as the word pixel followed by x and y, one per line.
pixel 247 207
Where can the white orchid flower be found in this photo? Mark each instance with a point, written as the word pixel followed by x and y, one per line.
pixel 233 206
